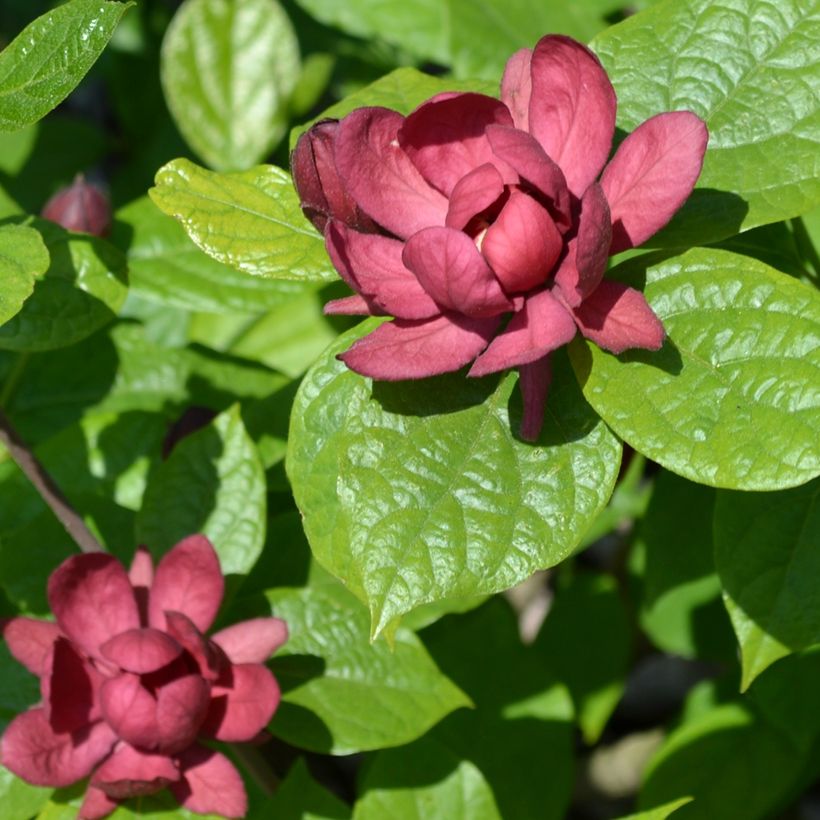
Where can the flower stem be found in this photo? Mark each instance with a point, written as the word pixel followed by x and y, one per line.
pixel 48 489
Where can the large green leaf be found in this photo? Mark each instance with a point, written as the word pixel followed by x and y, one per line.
pixel 23 257
pixel 20 801
pixel 749 69
pixel 249 220
pixel 228 68
pixel 418 491
pixel 659 812
pixel 164 265
pixel 739 367
pixel 343 694
pixel 50 56
pixel 767 556
pixel 80 292
pixel 424 781
pixel 212 483
pixel 300 797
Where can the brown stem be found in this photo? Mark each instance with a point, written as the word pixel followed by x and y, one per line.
pixel 49 491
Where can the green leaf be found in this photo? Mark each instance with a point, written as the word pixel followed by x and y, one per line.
pixel 164 265
pixel 420 26
pixel 659 812
pixel 748 68
pixel 424 781
pixel 20 801
pixel 414 492
pixel 228 68
pixel 767 558
pixel 739 366
pixel 45 62
pixel 80 292
pixel 23 257
pixel 251 220
pixel 680 605
pixel 485 33
pixel 586 641
pixel 342 694
pixel 212 483
pixel 300 797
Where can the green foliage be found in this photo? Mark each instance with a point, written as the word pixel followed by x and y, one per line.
pixel 23 257
pixel 228 68
pixel 48 58
pixel 300 797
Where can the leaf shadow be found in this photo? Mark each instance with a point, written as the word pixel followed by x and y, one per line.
pixel 434 396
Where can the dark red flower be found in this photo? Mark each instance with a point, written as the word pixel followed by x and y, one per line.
pixel 129 682
pixel 81 207
pixel 471 210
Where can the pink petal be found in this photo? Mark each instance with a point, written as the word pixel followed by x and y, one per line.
pixel 572 108
pixel 30 641
pixel 451 269
pixel 92 599
pixel 252 641
pixel 524 153
pixel 516 87
pixel 413 350
pixel 69 689
pixel 373 266
pixel 617 318
pixel 210 785
pixel 131 773
pixel 141 576
pixel 523 244
pixel 543 325
pixel 241 707
pixel 181 707
pixel 130 709
pixel 583 267
pixel 189 580
pixel 534 382
pixel 141 650
pixel 205 653
pixel 96 805
pixel 351 306
pixel 652 173
pixel 32 750
pixel 472 194
pixel 445 137
pixel 381 177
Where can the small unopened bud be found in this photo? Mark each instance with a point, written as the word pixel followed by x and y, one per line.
pixel 81 207
pixel 318 183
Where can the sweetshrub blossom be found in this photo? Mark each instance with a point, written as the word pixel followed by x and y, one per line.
pixel 129 682
pixel 471 210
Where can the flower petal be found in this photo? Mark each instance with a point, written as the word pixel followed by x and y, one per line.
pixel 242 705
pixel 92 599
pixel 381 177
pixel 543 325
pixel 131 773
pixel 452 270
pixel 373 266
pixel 617 318
pixel 523 244
pixel 414 350
pixel 34 751
pixel 446 138
pixel 30 641
pixel 525 154
pixel 141 650
pixel 188 580
pixel 141 576
pixel 472 194
pixel 534 382
pixel 352 306
pixel 96 805
pixel 652 173
pixel 130 710
pixel 583 267
pixel 572 108
pixel 181 707
pixel 516 87
pixel 210 784
pixel 69 689
pixel 205 653
pixel 252 641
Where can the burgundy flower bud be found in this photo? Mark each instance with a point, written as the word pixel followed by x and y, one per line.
pixel 81 207
pixel 318 184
